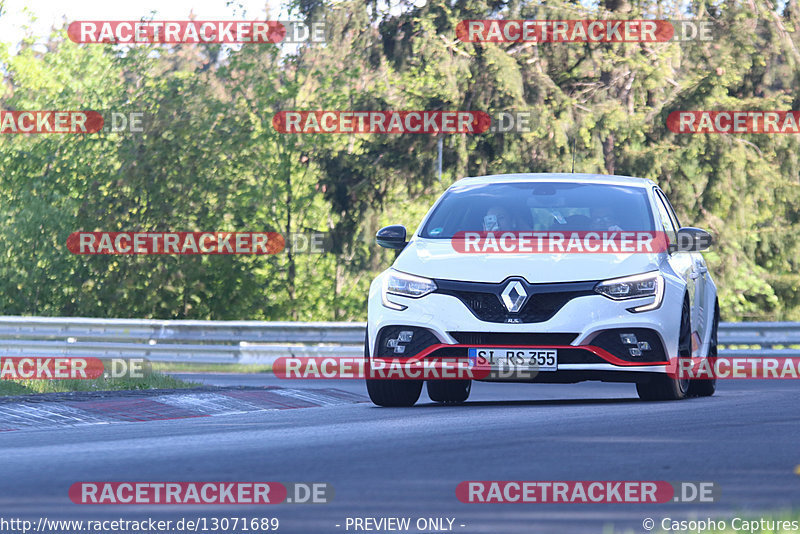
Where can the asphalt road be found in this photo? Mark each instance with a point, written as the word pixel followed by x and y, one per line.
pixel 407 462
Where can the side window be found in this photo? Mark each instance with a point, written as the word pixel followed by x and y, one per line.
pixel 666 220
pixel 670 210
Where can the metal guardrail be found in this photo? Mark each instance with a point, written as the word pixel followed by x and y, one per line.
pixel 766 336
pixel 251 342
pixel 177 341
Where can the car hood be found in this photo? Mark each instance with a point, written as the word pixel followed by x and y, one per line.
pixel 436 258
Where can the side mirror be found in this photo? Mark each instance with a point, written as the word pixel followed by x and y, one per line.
pixel 691 239
pixel 393 236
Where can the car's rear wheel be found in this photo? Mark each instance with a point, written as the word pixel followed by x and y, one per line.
pixel 665 387
pixel 391 393
pixel 706 388
pixel 449 391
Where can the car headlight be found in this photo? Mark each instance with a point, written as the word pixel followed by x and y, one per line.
pixel 405 285
pixel 633 287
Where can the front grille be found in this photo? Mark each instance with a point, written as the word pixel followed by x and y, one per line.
pixel 390 338
pixel 485 306
pixel 610 340
pixel 544 300
pixel 513 338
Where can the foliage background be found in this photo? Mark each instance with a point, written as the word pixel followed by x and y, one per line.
pixel 209 158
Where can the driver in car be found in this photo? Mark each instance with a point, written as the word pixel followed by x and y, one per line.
pixel 604 219
pixel 498 218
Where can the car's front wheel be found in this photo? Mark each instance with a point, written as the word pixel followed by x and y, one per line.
pixel 449 391
pixel 392 393
pixel 665 387
pixel 707 387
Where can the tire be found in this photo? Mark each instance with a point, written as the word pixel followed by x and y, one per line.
pixel 394 393
pixel 706 388
pixel 449 391
pixel 665 387
pixel 391 393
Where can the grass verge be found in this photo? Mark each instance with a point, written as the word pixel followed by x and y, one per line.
pixel 152 380
pixel 167 367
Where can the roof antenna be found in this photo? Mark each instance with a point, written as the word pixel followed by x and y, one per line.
pixel 573 154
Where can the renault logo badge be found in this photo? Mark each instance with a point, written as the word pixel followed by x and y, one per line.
pixel 514 296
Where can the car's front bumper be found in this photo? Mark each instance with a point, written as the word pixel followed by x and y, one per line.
pixel 578 327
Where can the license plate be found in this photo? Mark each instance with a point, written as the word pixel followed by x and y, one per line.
pixel 505 358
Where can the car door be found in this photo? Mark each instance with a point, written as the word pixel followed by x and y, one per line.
pixel 690 265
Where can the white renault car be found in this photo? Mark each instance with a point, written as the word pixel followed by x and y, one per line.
pixel 568 316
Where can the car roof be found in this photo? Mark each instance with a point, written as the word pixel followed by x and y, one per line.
pixel 609 179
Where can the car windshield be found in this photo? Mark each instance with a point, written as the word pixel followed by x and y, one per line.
pixel 539 206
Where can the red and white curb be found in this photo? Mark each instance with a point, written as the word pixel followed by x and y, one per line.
pixel 38 414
